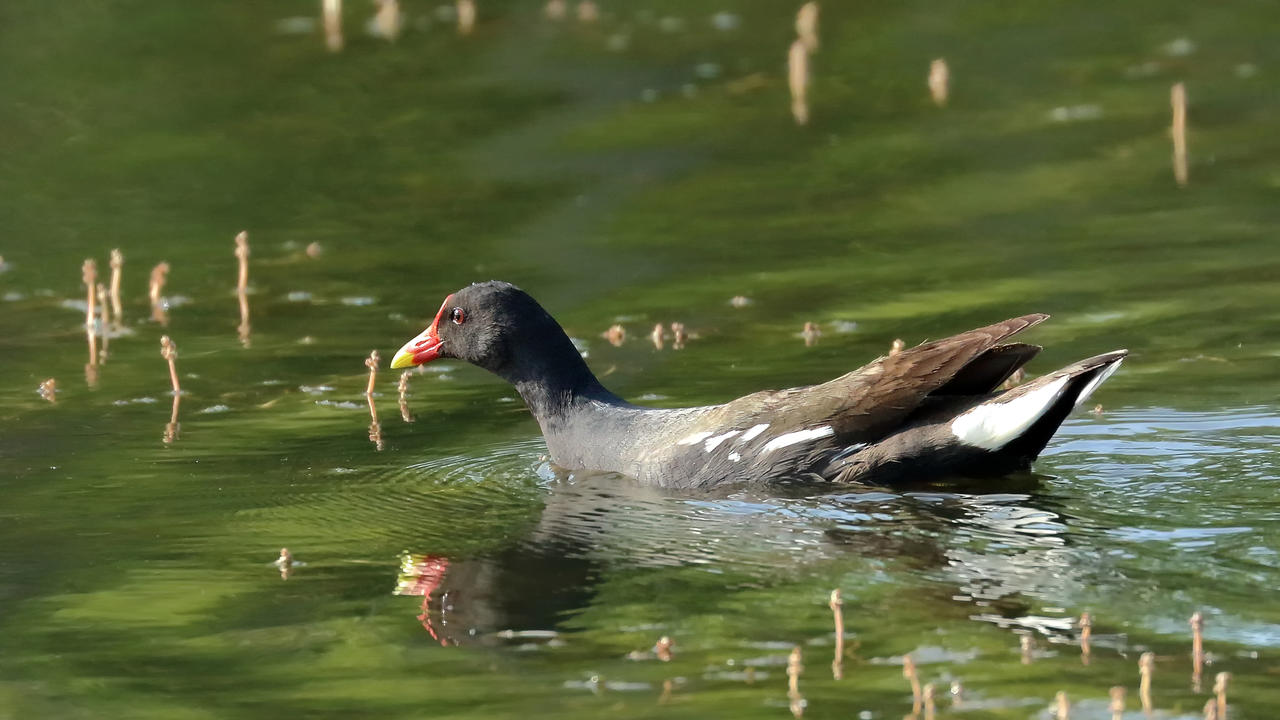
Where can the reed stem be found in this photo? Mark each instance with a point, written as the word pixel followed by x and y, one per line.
pixel 117 266
pixel 1086 634
pixel 169 351
pixel 242 286
pixel 371 362
pixel 171 428
pixel 909 672
pixel 1146 667
pixel 242 254
pixel 466 10
pixel 1197 649
pixel 939 82
pixel 836 603
pixel 1116 704
pixel 1178 99
pixel 104 320
pixel 403 389
pixel 1220 682
pixel 798 81
pixel 89 275
pixel 795 667
pixel 375 427
pixel 332 12
pixel 159 275
pixel 807 26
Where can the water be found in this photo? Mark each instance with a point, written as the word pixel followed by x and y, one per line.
pixel 639 180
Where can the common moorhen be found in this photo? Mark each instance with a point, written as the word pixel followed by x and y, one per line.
pixel 926 411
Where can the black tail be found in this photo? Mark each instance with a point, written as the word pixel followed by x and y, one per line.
pixel 1085 377
pixel 985 436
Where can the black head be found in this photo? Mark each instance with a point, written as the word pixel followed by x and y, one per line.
pixel 499 327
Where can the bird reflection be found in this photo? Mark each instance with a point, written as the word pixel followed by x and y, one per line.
pixel 591 521
pixel 516 594
pixel 420 576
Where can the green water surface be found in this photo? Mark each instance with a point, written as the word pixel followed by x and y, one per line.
pixel 642 169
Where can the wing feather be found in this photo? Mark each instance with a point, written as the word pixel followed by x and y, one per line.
pixel 867 403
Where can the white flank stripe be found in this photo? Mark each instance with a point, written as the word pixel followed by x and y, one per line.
pixel 992 425
pixel 713 442
pixel 1096 381
pixel 693 439
pixel 798 436
pixel 755 430
pixel 735 456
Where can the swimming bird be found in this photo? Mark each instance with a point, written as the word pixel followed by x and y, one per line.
pixel 927 411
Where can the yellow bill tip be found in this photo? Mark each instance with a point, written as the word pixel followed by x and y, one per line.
pixel 402 359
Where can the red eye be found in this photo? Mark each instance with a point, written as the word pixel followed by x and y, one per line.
pixel 457 316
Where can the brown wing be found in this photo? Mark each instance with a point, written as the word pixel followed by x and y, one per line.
pixel 989 369
pixel 863 405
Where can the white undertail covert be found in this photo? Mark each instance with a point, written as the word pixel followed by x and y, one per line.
pixel 992 425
